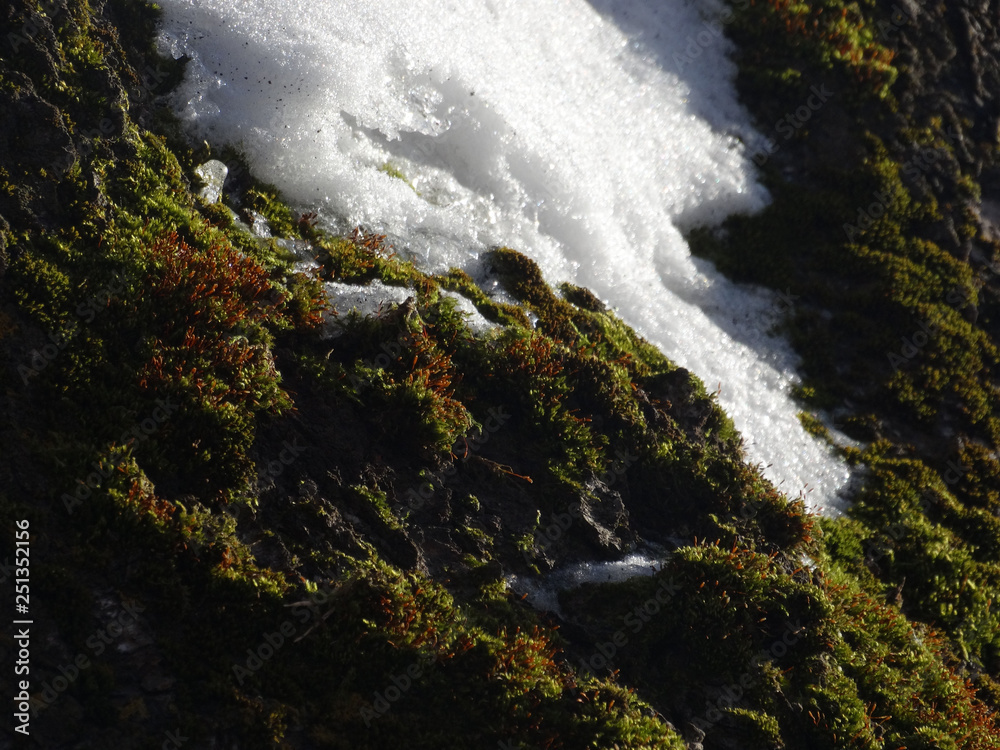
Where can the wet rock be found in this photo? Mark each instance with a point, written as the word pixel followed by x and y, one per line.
pixel 271 553
pixel 340 532
pixel 213 172
pixel 604 514
pixel 694 736
pixel 258 224
pixel 36 150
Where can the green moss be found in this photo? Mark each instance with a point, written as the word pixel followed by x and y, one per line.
pixel 523 279
pixel 833 680
pixel 791 45
pixel 397 174
pixel 219 215
pixel 377 500
pixel 760 729
pixel 496 312
pixel 582 298
pixel 814 426
pixel 362 258
pixel 43 290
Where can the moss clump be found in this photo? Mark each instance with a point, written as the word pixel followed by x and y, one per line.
pixel 583 298
pixel 846 676
pixel 523 279
pixel 362 258
pixel 496 312
pixel 814 426
pixel 410 386
pixel 266 200
pixel 792 45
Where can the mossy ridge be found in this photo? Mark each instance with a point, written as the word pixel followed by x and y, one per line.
pixel 895 300
pixel 915 538
pixel 573 411
pixel 749 648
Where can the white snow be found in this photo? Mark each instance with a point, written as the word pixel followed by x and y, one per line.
pixel 587 135
pixel 473 318
pixel 374 298
pixel 543 593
